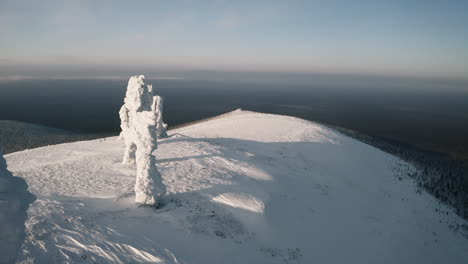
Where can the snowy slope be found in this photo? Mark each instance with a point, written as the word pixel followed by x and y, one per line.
pixel 16 135
pixel 245 188
pixel 14 202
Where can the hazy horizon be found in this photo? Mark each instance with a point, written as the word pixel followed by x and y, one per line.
pixel 65 39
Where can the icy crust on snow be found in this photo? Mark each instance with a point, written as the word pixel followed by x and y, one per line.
pixel 245 188
pixel 14 201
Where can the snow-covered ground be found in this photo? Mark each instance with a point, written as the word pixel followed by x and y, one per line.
pixel 14 202
pixel 244 188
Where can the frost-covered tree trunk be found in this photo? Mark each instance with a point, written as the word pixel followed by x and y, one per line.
pixel 148 186
pixel 14 201
pixel 139 131
pixel 160 125
pixel 124 121
pixel 133 103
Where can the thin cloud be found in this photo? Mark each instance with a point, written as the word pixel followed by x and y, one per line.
pixel 229 21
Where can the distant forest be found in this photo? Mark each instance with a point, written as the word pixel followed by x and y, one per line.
pixel 439 174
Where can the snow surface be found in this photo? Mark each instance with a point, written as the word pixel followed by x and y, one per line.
pixel 245 188
pixel 14 201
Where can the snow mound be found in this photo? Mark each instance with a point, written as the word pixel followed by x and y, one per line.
pixel 243 188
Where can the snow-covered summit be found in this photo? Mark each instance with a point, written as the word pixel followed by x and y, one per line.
pixel 244 188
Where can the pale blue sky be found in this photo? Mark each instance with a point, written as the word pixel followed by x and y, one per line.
pixel 420 38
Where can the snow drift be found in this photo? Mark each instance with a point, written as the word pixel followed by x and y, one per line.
pixel 14 200
pixel 245 188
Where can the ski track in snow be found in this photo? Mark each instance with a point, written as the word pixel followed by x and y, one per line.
pixel 245 188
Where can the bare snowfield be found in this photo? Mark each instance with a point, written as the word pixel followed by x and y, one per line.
pixel 244 188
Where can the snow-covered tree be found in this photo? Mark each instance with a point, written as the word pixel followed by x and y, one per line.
pixel 139 131
pixel 161 127
pixel 148 186
pixel 14 201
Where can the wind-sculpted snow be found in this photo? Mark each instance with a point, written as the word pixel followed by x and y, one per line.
pixel 140 118
pixel 246 188
pixel 14 201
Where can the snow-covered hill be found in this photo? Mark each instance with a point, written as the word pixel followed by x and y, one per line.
pixel 244 188
pixel 16 136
